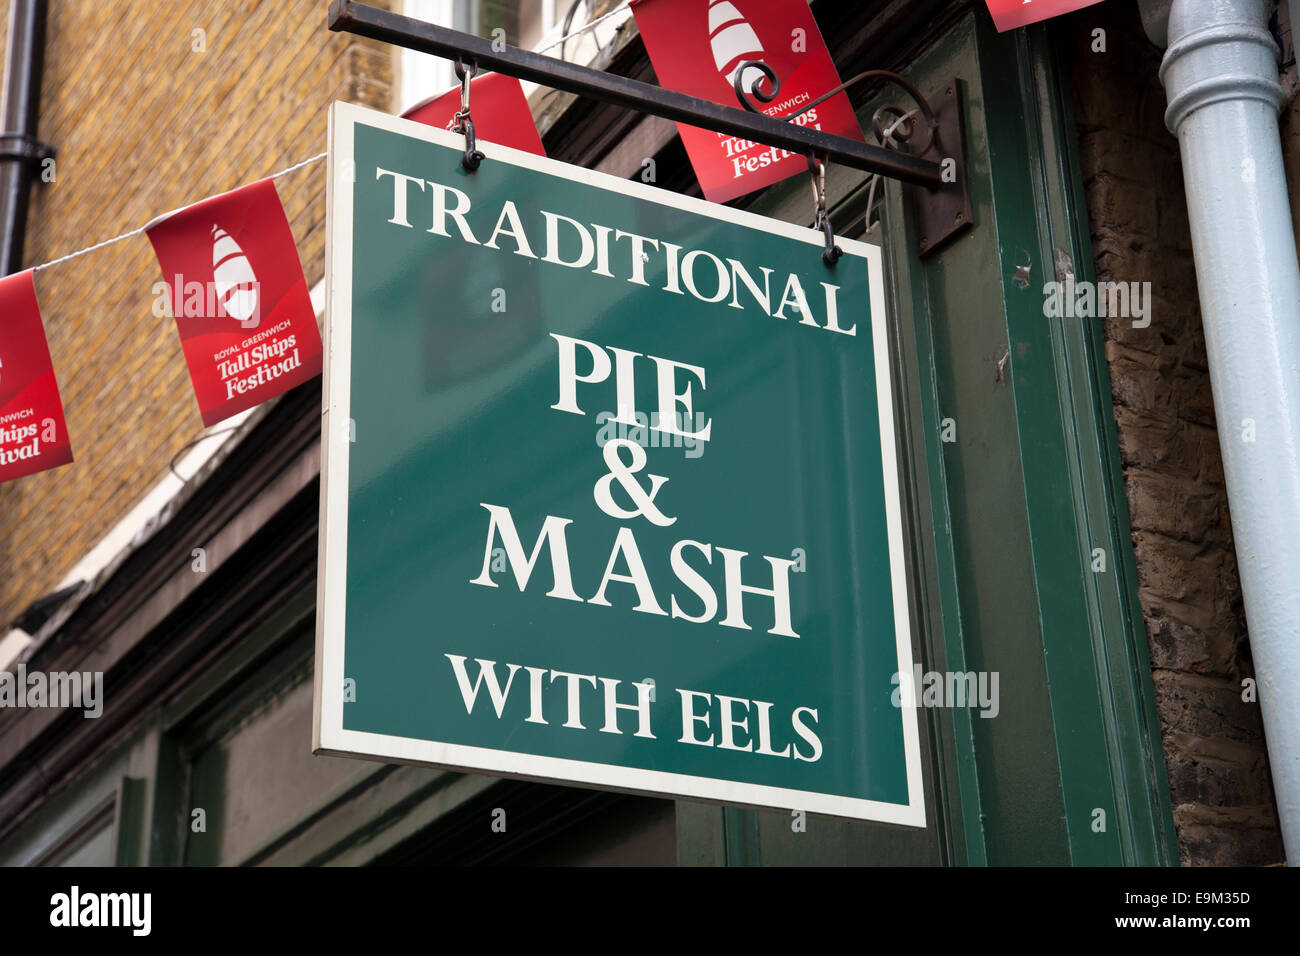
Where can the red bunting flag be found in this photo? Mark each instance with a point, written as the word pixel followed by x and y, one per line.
pixel 33 435
pixel 498 107
pixel 697 46
pixel 241 304
pixel 1009 14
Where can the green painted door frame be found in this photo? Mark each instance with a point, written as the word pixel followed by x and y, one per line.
pixel 1008 521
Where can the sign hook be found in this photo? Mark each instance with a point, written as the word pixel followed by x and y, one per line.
pixel 461 122
pixel 817 172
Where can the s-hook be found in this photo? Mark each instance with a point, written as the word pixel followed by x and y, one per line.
pixel 817 171
pixel 461 122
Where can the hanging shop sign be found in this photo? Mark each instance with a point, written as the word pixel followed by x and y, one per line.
pixel 609 490
pixel 33 435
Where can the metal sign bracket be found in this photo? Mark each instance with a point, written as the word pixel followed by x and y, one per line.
pixel 941 199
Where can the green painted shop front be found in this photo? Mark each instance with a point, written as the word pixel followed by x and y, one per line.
pixel 1018 561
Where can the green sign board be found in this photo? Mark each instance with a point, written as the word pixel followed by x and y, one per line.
pixel 609 487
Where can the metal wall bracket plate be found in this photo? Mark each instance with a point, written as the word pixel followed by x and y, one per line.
pixel 944 212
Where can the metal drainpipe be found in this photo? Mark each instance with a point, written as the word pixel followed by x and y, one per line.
pixel 1220 74
pixel 20 152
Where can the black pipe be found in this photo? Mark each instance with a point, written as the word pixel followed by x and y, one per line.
pixel 21 153
pixel 387 27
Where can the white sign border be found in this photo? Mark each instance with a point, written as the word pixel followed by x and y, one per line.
pixel 328 734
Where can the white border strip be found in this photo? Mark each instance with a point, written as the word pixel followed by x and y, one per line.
pixel 328 733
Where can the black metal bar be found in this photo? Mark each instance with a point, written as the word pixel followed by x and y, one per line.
pixel 367 21
pixel 19 113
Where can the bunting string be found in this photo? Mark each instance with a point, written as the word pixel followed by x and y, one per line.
pixel 583 29
pixel 138 232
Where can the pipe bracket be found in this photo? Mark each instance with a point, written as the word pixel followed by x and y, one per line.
pixel 25 149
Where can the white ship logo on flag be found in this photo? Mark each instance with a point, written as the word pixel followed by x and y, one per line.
pixel 233 276
pixel 734 41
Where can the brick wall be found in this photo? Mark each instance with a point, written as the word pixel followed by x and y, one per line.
pixel 1178 506
pixel 143 124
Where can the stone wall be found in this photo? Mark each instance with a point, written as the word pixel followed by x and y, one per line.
pixel 1178 506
